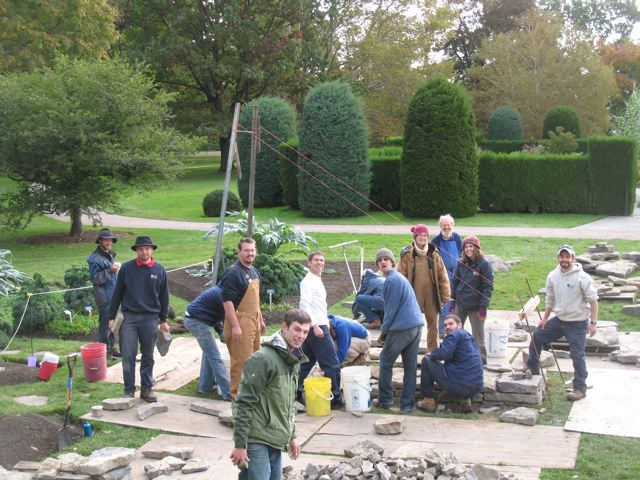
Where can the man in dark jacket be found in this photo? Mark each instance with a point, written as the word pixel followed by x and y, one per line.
pixel 369 301
pixel 142 291
pixel 461 374
pixel 264 412
pixel 103 270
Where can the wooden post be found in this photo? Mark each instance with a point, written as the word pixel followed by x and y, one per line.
pixel 255 129
pixel 225 195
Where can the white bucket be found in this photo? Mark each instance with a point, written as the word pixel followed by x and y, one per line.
pixel 356 388
pixel 496 338
pixel 50 357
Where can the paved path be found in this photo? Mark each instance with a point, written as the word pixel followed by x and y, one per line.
pixel 609 228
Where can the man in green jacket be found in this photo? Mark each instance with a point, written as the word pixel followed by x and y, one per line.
pixel 264 411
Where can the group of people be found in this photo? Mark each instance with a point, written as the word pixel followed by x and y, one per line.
pixel 437 284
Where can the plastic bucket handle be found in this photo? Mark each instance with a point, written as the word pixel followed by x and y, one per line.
pixel 367 388
pixel 328 399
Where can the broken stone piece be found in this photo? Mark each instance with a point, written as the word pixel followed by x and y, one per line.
pixel 70 462
pixel 389 426
pixel 174 462
pixel 48 469
pixel 157 469
pixel 518 335
pixel 633 310
pixel 628 357
pixel 525 385
pixel 363 448
pixel 13 475
pixel 145 411
pixel 204 407
pixel 123 403
pixel 619 268
pixel 105 459
pixel 485 473
pixel 546 358
pixel 183 453
pixel 195 465
pixel 520 415
pixel 25 465
pixel 225 417
pixel 72 476
pixel 122 473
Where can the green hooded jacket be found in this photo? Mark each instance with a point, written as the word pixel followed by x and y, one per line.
pixel 264 410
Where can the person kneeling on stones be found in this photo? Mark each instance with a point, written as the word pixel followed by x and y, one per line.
pixel 460 374
pixel 351 340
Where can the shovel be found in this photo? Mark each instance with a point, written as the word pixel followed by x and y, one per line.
pixel 63 434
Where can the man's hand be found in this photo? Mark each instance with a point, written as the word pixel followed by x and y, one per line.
pixel 236 334
pixel 240 458
pixel 542 323
pixel 115 267
pixel 263 327
pixel 164 326
pixel 482 313
pixel 592 329
pixel 294 448
pixel 382 338
pixel 111 322
pixel 317 331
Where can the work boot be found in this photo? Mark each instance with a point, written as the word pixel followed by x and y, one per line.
pixel 575 395
pixel 148 396
pixel 360 318
pixel 465 405
pixel 336 404
pixel 375 325
pixel 129 395
pixel 113 351
pixel 427 405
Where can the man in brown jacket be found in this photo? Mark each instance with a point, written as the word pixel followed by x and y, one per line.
pixel 422 265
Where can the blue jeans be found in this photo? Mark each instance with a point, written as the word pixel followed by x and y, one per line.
pixel 576 335
pixel 372 306
pixel 432 371
pixel 144 330
pixel 104 335
pixel 405 343
pixel 321 350
pixel 265 463
pixel 212 370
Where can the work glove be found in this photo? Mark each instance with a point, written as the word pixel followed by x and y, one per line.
pixel 482 313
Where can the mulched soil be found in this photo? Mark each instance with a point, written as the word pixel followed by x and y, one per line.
pixel 30 437
pixel 87 236
pixel 15 373
pixel 335 278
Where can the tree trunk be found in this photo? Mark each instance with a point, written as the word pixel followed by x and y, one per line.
pixel 224 152
pixel 76 222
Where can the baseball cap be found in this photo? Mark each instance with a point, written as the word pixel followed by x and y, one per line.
pixel 567 248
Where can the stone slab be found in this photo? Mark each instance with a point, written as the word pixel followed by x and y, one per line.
pixel 32 400
pixel 182 419
pixel 605 411
pixel 480 441
pixel 180 366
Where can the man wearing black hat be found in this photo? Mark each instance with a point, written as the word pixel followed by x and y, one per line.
pixel 103 269
pixel 142 292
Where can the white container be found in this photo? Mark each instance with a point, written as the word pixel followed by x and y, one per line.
pixel 356 388
pixel 496 338
pixel 51 358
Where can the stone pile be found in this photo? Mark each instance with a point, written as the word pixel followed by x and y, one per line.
pixel 367 461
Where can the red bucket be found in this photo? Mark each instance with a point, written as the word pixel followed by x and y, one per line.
pixel 94 361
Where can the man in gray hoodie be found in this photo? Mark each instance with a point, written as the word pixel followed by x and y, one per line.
pixel 570 294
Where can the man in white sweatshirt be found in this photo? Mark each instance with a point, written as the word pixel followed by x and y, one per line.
pixel 570 294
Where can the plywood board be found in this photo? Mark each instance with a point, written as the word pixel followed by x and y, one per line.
pixel 181 419
pixel 610 407
pixel 478 441
pixel 216 453
pixel 180 366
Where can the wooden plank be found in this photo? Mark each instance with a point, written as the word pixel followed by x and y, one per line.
pixel 611 405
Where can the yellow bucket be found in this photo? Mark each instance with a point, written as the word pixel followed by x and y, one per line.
pixel 318 396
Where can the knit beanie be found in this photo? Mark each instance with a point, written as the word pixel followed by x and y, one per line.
pixel 473 240
pixel 418 229
pixel 385 252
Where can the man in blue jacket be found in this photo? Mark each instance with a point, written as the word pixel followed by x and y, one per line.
pixel 461 374
pixel 400 333
pixel 352 340
pixel 369 300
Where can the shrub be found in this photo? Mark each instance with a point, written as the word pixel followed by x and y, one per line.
pixel 503 146
pixel 333 134
pixel 613 174
pixel 439 167
pixel 278 118
pixel 10 278
pixel 505 123
pixel 212 203
pixel 42 308
pixel 288 172
pixel 76 300
pixel 62 327
pixel 565 117
pixel 394 141
pixel 6 319
pixel 385 177
pixel 562 142
pixel 521 182
pixel 4 340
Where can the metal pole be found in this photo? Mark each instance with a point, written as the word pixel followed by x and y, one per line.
pixel 225 195
pixel 252 168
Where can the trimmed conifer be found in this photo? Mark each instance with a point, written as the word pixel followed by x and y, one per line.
pixel 505 123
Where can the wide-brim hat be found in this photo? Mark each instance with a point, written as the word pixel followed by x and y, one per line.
pixel 143 241
pixel 105 234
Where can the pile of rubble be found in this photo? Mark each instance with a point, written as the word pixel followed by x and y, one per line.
pixel 367 461
pixel 111 463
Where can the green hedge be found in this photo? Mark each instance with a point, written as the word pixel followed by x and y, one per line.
pixel 385 177
pixel 288 172
pixel 509 146
pixel 534 183
pixel 613 174
pixel 394 141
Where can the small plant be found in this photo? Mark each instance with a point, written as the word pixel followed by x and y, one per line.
pixel 76 300
pixel 41 309
pixel 534 148
pixel 10 277
pixel 63 327
pixel 270 236
pixel 562 142
pixel 212 203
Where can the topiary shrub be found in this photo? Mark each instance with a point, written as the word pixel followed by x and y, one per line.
pixel 439 167
pixel 562 142
pixel 76 300
pixel 288 172
pixel 385 178
pixel 278 118
pixel 505 123
pixel 212 202
pixel 41 309
pixel 565 117
pixel 333 134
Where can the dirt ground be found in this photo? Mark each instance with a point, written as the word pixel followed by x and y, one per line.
pixel 14 373
pixel 335 278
